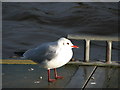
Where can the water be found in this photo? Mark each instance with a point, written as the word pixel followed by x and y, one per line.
pixel 25 25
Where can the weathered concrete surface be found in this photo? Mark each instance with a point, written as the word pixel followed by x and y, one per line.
pixel 75 76
pixel 80 77
pixel 105 78
pixel 29 76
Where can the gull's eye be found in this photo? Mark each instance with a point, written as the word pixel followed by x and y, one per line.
pixel 67 43
pixel 63 43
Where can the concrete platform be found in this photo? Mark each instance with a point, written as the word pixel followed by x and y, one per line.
pixel 75 76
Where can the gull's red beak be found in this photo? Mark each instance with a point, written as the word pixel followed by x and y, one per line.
pixel 75 46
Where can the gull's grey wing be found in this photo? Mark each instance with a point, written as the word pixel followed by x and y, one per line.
pixel 41 53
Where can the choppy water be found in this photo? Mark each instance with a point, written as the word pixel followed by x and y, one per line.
pixel 26 25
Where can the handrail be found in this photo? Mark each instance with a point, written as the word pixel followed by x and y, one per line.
pixel 93 37
pixel 88 38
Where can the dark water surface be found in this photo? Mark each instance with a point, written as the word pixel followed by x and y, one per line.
pixel 27 24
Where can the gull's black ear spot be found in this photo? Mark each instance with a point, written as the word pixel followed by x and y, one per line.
pixel 67 43
pixel 63 43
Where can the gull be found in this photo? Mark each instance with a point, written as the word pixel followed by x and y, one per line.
pixel 52 55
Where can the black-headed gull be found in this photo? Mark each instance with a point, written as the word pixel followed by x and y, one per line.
pixel 52 55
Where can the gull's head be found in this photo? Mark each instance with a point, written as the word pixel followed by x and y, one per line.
pixel 64 42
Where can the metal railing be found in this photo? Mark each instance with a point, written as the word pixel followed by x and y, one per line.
pixel 88 38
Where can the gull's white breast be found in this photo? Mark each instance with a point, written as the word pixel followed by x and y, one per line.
pixel 63 57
